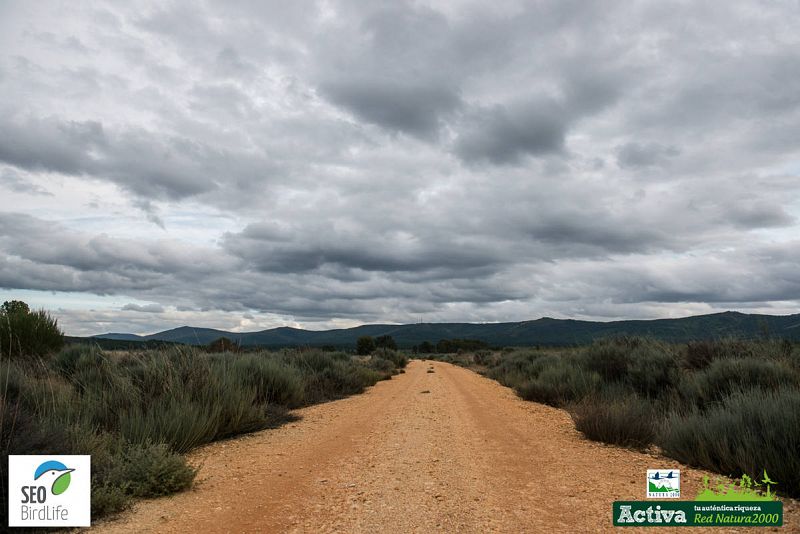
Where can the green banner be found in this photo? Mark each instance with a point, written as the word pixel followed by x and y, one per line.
pixel 698 513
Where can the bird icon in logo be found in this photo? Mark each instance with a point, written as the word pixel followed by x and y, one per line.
pixel 56 472
pixel 657 475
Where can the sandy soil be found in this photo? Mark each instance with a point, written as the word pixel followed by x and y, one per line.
pixel 443 451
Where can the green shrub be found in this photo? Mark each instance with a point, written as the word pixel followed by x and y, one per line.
pixel 206 409
pixel 28 335
pixel 748 432
pixel 381 365
pixel 12 380
pixel 22 432
pixel 108 499
pixel 520 367
pixel 167 372
pixel 152 470
pixel 723 376
pixel 398 359
pixel 122 470
pixel 619 419
pixel 339 380
pixel 610 357
pixel 108 494
pixel 106 393
pixel 273 381
pixel 329 377
pixel 699 354
pixel 71 357
pixel 180 424
pixel 312 361
pixel 653 370
pixel 240 411
pixel 559 384
pixel 553 379
pixel 484 357
pixel 39 392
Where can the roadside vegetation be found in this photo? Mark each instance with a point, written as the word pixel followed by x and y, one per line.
pixel 25 333
pixel 729 406
pixel 137 412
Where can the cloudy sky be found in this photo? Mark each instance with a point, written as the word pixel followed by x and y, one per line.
pixel 249 164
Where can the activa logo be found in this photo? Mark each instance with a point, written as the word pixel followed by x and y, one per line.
pixel 633 513
pixel 38 493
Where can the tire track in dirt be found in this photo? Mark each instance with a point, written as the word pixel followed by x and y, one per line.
pixel 443 451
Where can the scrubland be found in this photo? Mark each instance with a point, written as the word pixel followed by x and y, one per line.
pixel 137 412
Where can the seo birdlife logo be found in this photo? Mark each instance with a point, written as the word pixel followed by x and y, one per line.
pixel 55 471
pixel 49 491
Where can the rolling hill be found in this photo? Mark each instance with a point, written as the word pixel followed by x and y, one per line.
pixel 544 331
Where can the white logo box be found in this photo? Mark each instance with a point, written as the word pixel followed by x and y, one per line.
pixel 668 481
pixel 72 508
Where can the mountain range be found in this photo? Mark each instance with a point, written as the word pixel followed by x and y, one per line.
pixel 544 331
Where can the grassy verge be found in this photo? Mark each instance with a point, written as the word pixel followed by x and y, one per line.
pixel 136 413
pixel 729 406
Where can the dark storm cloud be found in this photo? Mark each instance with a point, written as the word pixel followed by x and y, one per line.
pixel 83 259
pixel 38 254
pixel 403 160
pixel 761 215
pixel 503 135
pixel 312 248
pixel 170 168
pixel 415 110
pixel 178 275
pixel 394 69
pixel 49 145
pixel 602 236
pixel 728 278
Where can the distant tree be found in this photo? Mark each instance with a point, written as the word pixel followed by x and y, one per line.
pixel 15 306
pixel 385 342
pixel 365 345
pixel 26 334
pixel 426 347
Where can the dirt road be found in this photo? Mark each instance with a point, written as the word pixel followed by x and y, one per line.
pixel 442 451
